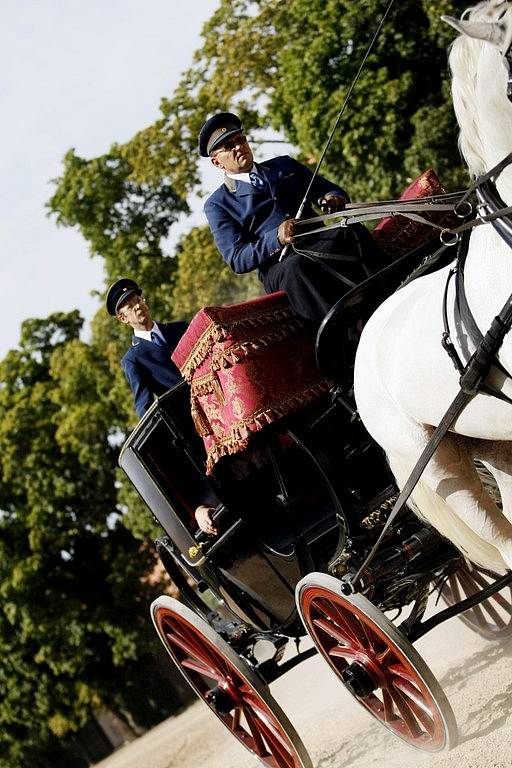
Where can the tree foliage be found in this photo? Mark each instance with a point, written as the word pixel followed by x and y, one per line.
pixel 124 221
pixel 73 533
pixel 299 58
pixel 74 633
pixel 203 279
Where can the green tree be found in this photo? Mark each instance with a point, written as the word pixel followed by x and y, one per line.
pixel 74 633
pixel 299 58
pixel 124 221
pixel 203 279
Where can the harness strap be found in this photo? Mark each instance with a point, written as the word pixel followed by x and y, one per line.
pixel 446 341
pixel 458 404
pixel 468 320
pixel 321 258
pixel 470 384
pixel 492 174
pixel 356 217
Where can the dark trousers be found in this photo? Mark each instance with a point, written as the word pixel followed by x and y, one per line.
pixel 312 289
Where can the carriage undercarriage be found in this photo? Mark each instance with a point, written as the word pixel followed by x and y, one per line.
pixel 284 566
pixel 250 590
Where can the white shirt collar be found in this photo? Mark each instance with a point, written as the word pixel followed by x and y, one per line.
pixel 243 176
pixel 147 334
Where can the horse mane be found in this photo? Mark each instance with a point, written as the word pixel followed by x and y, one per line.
pixel 463 60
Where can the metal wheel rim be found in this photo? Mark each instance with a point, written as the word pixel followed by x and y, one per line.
pixel 492 618
pixel 206 660
pixel 407 699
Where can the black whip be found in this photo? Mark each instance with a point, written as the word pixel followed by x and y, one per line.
pixel 337 122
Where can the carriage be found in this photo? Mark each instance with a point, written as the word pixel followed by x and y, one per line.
pixel 291 530
pixel 307 546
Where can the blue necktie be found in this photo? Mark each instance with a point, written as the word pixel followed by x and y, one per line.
pixel 155 338
pixel 256 180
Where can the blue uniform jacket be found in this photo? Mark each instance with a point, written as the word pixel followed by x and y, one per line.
pixel 244 220
pixel 149 368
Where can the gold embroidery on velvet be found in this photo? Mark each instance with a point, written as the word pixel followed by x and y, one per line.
pixel 217 389
pixel 201 422
pixel 205 343
pixel 239 434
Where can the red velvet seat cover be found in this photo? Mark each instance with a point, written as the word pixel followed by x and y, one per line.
pixel 397 235
pixel 247 365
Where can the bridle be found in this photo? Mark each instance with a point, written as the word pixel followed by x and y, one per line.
pixel 491 209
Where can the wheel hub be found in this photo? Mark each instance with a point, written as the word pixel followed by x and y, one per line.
pixel 221 700
pixel 358 680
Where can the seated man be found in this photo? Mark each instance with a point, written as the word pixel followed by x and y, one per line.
pixel 147 364
pixel 251 218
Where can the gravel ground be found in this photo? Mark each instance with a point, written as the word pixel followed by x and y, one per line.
pixel 476 675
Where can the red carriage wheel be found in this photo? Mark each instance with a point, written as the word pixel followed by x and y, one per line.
pixel 492 618
pixel 376 663
pixel 228 685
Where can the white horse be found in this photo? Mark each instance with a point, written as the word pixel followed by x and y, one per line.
pixel 404 380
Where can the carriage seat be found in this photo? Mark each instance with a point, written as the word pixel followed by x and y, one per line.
pixel 248 365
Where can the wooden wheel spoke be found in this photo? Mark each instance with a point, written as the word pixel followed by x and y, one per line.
pixel 478 578
pixel 341 619
pixel 389 712
pixel 491 617
pixel 339 652
pixel 259 745
pixel 471 583
pixel 205 651
pixel 502 602
pixel 372 641
pixel 202 669
pixel 455 589
pixel 417 704
pixel 406 712
pixel 268 740
pixel 486 607
pixel 235 720
pixel 333 631
pixel 278 746
pixel 199 653
pixel 191 649
pixel 265 720
pixel 382 656
pixel 401 671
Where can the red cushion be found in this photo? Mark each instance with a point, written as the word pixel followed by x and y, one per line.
pixel 247 365
pixel 398 235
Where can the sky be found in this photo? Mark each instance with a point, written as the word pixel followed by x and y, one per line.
pixel 82 74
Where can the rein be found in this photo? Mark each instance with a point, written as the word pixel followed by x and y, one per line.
pixel 474 373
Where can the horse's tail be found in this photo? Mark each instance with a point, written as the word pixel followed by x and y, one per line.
pixel 432 508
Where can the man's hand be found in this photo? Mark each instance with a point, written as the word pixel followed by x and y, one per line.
pixel 286 231
pixel 330 203
pixel 203 515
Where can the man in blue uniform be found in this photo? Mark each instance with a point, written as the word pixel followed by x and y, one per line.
pixel 251 218
pixel 147 364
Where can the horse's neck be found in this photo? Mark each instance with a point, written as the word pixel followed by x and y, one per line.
pixel 486 126
pixel 488 274
pixel 504 185
pixel 496 138
pixel 504 180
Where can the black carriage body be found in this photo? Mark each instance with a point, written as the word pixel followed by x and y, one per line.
pixel 311 472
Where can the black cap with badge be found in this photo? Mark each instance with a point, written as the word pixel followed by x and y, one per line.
pixel 119 292
pixel 216 129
